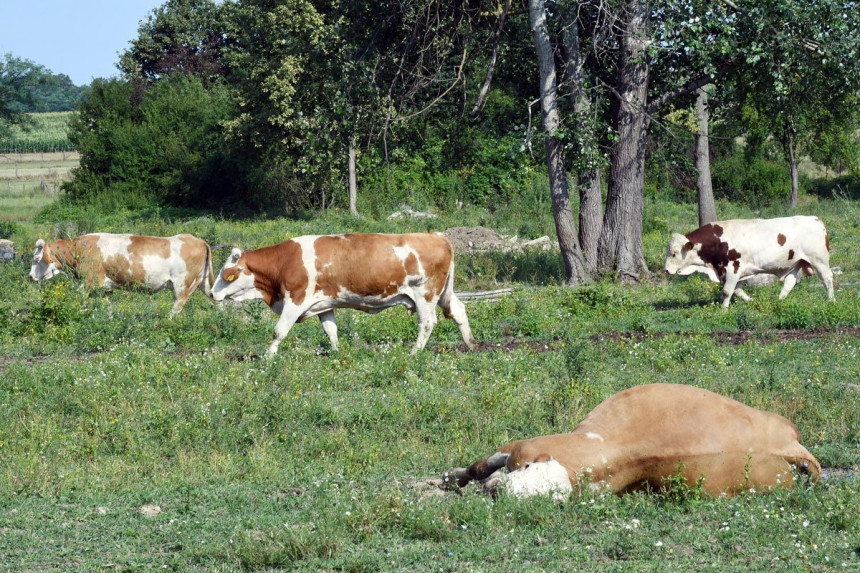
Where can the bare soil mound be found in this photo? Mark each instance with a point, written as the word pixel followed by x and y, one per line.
pixel 467 239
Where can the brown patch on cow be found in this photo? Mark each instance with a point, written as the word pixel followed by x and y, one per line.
pixel 790 254
pixel 780 238
pixel 344 262
pixel 827 242
pixel 194 252
pixel 347 261
pixel 712 251
pixel 81 257
pixel 277 270
pixel 411 264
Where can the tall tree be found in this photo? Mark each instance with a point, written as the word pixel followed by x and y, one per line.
pixel 704 186
pixel 620 246
pixel 18 79
pixel 574 262
pixel 190 37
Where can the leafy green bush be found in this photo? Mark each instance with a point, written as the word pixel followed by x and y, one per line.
pixel 754 182
pixel 155 144
pixel 60 304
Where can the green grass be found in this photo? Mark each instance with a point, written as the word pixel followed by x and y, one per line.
pixel 310 461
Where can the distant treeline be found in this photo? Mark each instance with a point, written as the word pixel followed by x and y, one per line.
pixel 28 87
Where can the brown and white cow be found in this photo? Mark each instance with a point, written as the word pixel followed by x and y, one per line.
pixel 129 261
pixel 638 438
pixel 313 275
pixel 732 251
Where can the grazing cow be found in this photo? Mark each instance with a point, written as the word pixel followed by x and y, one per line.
pixel 128 261
pixel 315 274
pixel 732 251
pixel 638 438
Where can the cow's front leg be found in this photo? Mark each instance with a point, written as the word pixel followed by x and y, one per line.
pixel 289 315
pixel 330 327
pixel 479 471
pixel 729 289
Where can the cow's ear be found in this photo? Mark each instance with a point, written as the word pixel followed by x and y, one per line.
pixel 688 246
pixel 40 251
pixel 234 255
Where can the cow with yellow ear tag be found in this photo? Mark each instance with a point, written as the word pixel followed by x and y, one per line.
pixel 315 274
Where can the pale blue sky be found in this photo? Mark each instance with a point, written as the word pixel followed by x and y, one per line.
pixel 79 38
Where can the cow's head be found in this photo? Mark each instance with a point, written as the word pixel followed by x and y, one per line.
pixel 235 281
pixel 45 265
pixel 682 257
pixel 539 478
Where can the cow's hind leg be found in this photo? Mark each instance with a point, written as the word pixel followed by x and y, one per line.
pixel 822 269
pixel 789 281
pixel 453 308
pixel 330 327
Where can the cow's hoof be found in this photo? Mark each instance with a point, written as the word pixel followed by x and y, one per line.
pixel 454 479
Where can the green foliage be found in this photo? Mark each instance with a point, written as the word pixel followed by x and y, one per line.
pixel 60 305
pixel 756 183
pixel 151 146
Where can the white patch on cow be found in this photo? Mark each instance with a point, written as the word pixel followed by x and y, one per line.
pixel 539 478
pixel 243 288
pixel 593 436
pixel 40 269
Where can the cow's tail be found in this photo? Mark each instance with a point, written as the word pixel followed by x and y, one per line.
pixel 208 275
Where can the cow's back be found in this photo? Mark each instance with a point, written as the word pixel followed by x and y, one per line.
pixel 374 265
pixel 675 419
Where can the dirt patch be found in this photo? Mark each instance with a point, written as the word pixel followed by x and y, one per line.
pixel 466 239
pixel 482 239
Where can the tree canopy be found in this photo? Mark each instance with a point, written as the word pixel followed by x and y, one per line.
pixel 438 100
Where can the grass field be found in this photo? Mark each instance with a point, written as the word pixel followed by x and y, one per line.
pixel 30 181
pixel 132 442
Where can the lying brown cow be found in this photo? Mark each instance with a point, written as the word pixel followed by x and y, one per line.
pixel 638 438
pixel 122 261
pixel 314 274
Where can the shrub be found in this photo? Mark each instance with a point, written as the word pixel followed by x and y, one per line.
pixel 754 182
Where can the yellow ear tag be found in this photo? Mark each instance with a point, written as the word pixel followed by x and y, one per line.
pixel 231 278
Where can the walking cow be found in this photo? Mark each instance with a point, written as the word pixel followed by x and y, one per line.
pixel 313 275
pixel 732 251
pixel 127 261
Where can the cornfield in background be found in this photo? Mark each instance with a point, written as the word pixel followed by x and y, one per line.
pixel 48 135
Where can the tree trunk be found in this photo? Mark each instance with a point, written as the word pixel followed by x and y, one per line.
pixel 620 246
pixel 588 176
pixel 707 208
pixel 352 184
pixel 792 160
pixel 574 262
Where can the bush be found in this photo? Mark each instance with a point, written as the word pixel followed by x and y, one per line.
pixel 151 144
pixel 754 182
